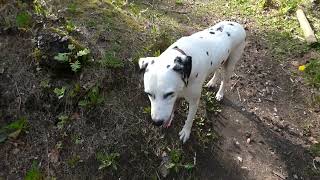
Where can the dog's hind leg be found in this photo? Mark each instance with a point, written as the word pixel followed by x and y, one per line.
pixel 228 68
pixel 214 79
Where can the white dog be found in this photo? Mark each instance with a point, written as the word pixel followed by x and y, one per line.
pixel 181 70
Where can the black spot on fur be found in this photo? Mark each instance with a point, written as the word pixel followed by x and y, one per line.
pixel 152 61
pixel 183 67
pixel 220 28
pixel 211 63
pixel 222 62
pixel 231 24
pixel 197 75
pixel 228 50
pixel 168 66
pixel 228 33
pixel 212 32
pixel 207 53
pixel 201 37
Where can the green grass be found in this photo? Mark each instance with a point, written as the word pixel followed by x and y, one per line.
pixel 23 19
pixel 34 173
pixel 93 98
pixel 108 160
pixel 110 60
pixel 312 73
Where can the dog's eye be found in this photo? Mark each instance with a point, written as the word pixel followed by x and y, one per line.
pixel 150 95
pixel 167 95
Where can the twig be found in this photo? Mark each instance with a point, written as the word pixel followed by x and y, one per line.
pixel 235 84
pixel 278 174
pixel 307 30
pixel 19 96
pixel 239 94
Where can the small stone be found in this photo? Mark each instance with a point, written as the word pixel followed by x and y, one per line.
pixel 313 140
pixel 248 141
pixel 1 70
pixel 240 159
pixel 295 176
pixel 295 63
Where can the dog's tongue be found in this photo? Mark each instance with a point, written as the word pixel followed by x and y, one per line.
pixel 167 124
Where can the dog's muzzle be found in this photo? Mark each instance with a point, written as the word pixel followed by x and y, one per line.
pixel 158 122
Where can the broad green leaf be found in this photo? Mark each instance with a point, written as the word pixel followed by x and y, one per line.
pixel 62 57
pixel 83 52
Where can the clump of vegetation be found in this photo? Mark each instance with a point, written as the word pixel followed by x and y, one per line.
pixel 211 103
pixel 315 149
pixel 34 173
pixel 176 161
pixel 14 129
pixel 23 19
pixel 111 61
pixel 108 160
pixel 74 57
pixel 312 72
pixel 74 160
pixel 59 92
pixel 93 98
pixel 63 120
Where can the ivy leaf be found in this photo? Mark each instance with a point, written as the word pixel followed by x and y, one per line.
pixel 75 66
pixel 83 52
pixel 71 47
pixel 62 57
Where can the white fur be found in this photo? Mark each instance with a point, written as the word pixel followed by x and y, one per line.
pixel 224 48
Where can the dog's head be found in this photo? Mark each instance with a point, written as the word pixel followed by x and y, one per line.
pixel 163 83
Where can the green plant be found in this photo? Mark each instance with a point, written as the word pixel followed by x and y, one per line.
pixel 157 53
pixel 59 92
pixel 74 57
pixel 211 103
pixel 108 160
pixel 39 8
pixel 111 61
pixel 179 2
pixel 93 98
pixel 75 91
pixel 315 149
pixel 147 110
pixel 176 161
pixel 14 129
pixel 312 72
pixel 34 173
pixel 63 119
pixel 72 8
pixel 70 27
pixel 23 19
pixel 74 160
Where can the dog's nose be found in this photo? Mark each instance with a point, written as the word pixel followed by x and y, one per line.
pixel 157 122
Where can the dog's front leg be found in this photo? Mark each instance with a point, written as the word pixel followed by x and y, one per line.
pixel 186 130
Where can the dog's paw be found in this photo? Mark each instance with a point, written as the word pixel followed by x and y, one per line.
pixel 184 134
pixel 210 84
pixel 219 96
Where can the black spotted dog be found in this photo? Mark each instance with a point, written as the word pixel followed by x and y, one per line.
pixel 181 70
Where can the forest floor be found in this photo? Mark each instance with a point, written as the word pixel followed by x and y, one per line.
pixel 83 114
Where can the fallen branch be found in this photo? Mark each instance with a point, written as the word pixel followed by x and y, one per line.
pixel 307 30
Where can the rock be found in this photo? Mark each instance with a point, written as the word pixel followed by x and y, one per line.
pixel 313 140
pixel 164 171
pixel 295 176
pixel 239 159
pixel 248 141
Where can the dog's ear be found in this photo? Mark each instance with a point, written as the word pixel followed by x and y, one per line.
pixel 183 67
pixel 143 64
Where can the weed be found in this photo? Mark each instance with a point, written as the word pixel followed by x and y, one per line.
pixel 74 160
pixel 157 53
pixel 179 2
pixel 315 149
pixel 147 110
pixel 211 103
pixel 45 84
pixel 63 119
pixel 34 173
pixel 176 164
pixel 74 57
pixel 39 8
pixel 75 91
pixel 14 129
pixel 111 61
pixel 72 8
pixel 312 72
pixel 108 160
pixel 93 98
pixel 37 54
pixel 70 27
pixel 59 92
pixel 23 19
